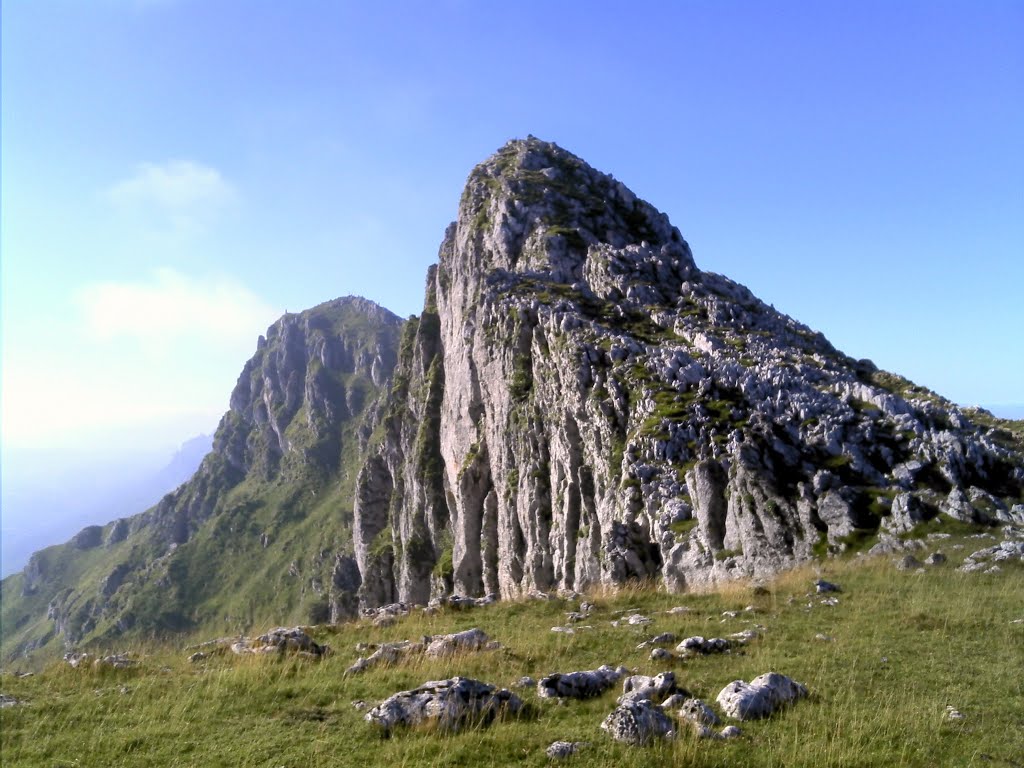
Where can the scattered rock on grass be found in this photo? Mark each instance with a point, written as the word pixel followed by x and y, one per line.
pixel 392 610
pixel 462 602
pixel 388 653
pixel 561 749
pixel 760 697
pixel 438 646
pixel 579 685
pixel 675 700
pixel 113 662
pixel 468 640
pixel 638 722
pixel 696 711
pixel 448 703
pixel 908 563
pixel 281 640
pixel 698 646
pixel 665 638
pixel 9 701
pixel 644 687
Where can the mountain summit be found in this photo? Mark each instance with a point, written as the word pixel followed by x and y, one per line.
pixel 583 405
pixel 578 404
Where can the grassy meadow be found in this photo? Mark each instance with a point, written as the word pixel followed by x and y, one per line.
pixel 903 646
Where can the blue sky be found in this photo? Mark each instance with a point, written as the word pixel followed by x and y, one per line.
pixel 176 174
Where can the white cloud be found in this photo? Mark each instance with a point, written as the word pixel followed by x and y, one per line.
pixel 182 189
pixel 172 305
pixel 147 363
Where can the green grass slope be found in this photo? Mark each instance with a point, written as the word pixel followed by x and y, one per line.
pixel 254 535
pixel 904 646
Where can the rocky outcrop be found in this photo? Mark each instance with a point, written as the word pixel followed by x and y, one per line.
pixel 760 697
pixel 638 722
pixel 449 704
pixel 647 688
pixel 579 685
pixel 580 404
pixel 281 640
pixel 697 712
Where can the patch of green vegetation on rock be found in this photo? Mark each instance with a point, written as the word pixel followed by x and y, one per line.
pixel 682 527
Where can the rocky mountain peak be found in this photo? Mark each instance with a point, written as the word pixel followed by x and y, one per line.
pixel 535 209
pixel 581 404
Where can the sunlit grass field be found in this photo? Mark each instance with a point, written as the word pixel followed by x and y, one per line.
pixel 904 646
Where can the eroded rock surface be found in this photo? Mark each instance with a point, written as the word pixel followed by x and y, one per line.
pixel 579 685
pixel 449 704
pixel 638 722
pixel 580 404
pixel 760 697
pixel 281 640
pixel 561 749
pixel 648 688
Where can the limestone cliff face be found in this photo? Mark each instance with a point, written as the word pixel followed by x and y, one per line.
pixel 581 404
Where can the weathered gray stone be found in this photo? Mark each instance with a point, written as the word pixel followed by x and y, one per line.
pixel 115 661
pixel 958 506
pixel 638 722
pixel 578 685
pixel 387 653
pixel 665 638
pixel 562 749
pixel 674 701
pixel 908 563
pixel 281 640
pixel 760 697
pixel 696 711
pixel 449 704
pixel 699 646
pixel 644 687
pixel 905 512
pixel 447 645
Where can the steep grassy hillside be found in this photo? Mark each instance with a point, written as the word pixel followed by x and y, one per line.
pixel 262 531
pixel 901 647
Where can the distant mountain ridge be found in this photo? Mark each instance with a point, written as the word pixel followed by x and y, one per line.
pixel 40 514
pixel 577 405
